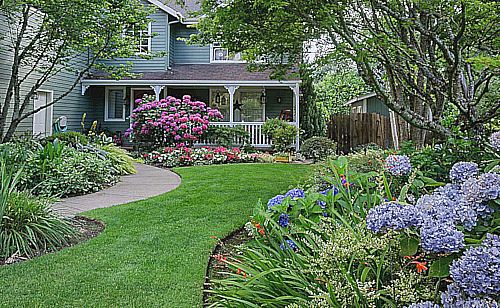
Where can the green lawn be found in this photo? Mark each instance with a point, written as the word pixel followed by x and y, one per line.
pixel 153 253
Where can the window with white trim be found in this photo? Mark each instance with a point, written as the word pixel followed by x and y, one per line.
pixel 221 54
pixel 114 106
pixel 143 39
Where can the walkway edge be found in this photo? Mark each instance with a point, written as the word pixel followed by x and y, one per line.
pixel 148 182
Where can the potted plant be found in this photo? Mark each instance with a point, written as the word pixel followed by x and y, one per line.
pixel 282 135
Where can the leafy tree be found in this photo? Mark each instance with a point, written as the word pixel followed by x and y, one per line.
pixel 336 88
pixel 416 55
pixel 312 122
pixel 45 38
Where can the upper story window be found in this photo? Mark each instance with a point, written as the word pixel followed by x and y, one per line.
pixel 221 54
pixel 143 37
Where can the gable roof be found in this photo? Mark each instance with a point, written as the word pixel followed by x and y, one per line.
pixel 360 98
pixel 182 12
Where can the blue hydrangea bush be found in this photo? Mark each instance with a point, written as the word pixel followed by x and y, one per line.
pixel 360 241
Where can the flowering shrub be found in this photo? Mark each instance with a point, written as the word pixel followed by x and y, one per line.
pixel 184 156
pixel 170 121
pixel 437 215
pixel 495 140
pixel 398 165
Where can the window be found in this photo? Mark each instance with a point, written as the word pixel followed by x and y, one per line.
pixel 220 54
pixel 252 109
pixel 143 39
pixel 114 107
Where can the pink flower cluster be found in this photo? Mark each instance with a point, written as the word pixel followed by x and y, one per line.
pixel 171 121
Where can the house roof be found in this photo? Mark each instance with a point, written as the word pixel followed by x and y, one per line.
pixel 182 11
pixel 360 98
pixel 201 72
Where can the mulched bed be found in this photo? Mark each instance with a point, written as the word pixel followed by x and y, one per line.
pixel 87 228
pixel 226 248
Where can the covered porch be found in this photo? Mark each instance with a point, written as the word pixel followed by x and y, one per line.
pixel 243 104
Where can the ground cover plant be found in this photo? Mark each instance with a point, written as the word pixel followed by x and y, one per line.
pixel 153 252
pixel 390 237
pixel 184 156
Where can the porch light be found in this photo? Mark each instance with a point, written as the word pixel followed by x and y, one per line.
pixel 279 99
pixel 237 105
pixel 263 97
pixel 217 98
pixel 224 101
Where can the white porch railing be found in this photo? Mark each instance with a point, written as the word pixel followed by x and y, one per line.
pixel 257 137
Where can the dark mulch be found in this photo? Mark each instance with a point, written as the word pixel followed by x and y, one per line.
pixel 225 249
pixel 87 228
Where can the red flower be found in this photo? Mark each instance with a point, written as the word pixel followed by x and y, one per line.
pixel 421 266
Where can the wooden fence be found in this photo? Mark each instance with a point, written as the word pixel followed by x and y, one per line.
pixel 357 129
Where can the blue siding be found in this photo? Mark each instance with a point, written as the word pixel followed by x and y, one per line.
pixel 187 54
pixel 159 44
pixel 375 105
pixel 73 105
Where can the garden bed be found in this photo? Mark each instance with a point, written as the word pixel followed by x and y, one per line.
pixel 226 248
pixel 87 228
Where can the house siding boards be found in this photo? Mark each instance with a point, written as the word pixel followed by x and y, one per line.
pixel 184 53
pixel 72 106
pixel 273 109
pixel 375 105
pixel 159 45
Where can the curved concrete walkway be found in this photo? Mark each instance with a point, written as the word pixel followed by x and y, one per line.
pixel 148 182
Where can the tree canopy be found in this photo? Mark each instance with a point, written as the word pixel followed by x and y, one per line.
pixel 46 37
pixel 418 56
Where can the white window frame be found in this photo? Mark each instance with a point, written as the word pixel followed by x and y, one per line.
pixel 140 46
pixel 106 105
pixel 212 58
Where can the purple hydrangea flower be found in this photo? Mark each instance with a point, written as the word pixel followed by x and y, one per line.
pixel 427 304
pixel 275 201
pixel 477 272
pixel 391 215
pixel 462 171
pixel 453 298
pixel 289 244
pixel 439 236
pixel 398 165
pixel 495 140
pixel 478 191
pixel 284 220
pixel 325 193
pixel 295 193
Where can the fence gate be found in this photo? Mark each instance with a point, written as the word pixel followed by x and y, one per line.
pixel 357 129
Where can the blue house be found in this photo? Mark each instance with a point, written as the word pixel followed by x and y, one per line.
pixel 207 73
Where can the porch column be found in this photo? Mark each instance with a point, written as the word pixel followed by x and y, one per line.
pixel 231 90
pixel 157 89
pixel 296 112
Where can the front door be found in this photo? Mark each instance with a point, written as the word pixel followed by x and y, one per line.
pixel 42 120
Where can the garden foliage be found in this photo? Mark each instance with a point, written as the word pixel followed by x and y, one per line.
pixel 27 224
pixel 282 133
pixel 383 236
pixel 318 148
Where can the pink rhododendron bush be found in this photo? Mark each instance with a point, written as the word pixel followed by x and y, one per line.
pixel 184 156
pixel 170 121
